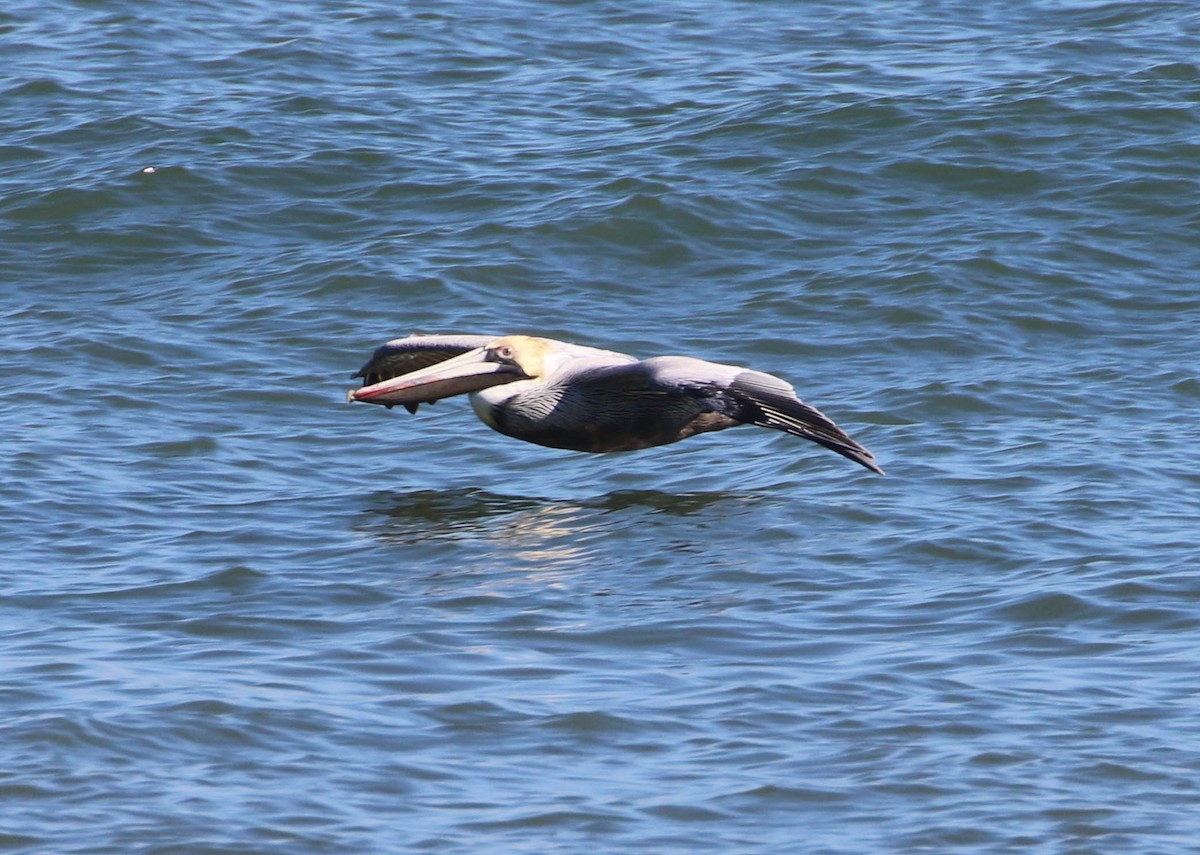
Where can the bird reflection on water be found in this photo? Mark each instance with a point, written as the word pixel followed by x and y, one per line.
pixel 525 530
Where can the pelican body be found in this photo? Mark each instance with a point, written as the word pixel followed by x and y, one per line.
pixel 584 399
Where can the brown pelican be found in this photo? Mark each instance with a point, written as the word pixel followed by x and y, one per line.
pixel 584 399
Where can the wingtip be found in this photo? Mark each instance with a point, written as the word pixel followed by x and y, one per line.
pixel 859 455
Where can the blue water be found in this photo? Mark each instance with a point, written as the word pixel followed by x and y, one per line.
pixel 239 615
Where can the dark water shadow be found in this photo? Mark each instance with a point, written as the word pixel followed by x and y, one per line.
pixel 670 503
pixel 474 513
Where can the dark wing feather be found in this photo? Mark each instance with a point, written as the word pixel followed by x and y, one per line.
pixel 770 402
pixel 750 397
pixel 403 355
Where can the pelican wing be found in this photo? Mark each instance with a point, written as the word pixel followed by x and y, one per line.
pixel 403 355
pixel 772 403
pixel 752 397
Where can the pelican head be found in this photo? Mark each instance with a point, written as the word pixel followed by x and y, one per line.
pixel 505 360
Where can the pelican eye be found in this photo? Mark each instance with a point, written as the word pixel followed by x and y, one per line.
pixel 505 353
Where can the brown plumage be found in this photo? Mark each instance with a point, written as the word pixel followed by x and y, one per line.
pixel 580 398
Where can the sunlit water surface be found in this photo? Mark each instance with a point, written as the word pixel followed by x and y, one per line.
pixel 241 616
